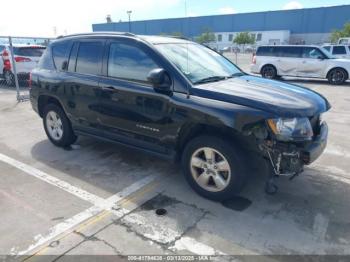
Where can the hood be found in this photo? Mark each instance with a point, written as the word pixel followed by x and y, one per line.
pixel 278 98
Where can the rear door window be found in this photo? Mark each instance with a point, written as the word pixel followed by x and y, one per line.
pixel 89 58
pixel 289 51
pixel 29 51
pixel 339 50
pixel 265 51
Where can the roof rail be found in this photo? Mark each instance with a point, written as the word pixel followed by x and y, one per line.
pixel 99 33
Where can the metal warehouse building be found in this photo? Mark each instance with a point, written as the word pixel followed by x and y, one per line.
pixel 310 26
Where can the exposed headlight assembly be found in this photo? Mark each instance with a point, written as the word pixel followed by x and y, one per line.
pixel 291 129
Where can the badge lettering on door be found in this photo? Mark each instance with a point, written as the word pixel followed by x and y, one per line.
pixel 147 128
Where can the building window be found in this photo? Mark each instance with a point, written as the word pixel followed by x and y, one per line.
pixel 230 37
pixel 219 38
pixel 258 37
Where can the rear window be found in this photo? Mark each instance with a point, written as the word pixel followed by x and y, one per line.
pixel 89 58
pixel 29 51
pixel 339 50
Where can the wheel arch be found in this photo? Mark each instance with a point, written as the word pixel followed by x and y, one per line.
pixel 191 131
pixel 270 64
pixel 44 100
pixel 338 67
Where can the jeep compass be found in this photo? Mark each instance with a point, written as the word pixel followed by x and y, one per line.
pixel 179 100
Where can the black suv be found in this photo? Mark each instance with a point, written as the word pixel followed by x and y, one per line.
pixel 179 100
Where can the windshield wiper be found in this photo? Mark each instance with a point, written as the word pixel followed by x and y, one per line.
pixel 210 79
pixel 237 74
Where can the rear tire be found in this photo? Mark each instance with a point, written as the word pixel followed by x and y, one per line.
pixel 213 167
pixel 269 72
pixel 57 126
pixel 337 76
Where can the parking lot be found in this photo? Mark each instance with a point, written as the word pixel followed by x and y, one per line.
pixel 97 198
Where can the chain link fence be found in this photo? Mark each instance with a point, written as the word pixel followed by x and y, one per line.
pixel 18 57
pixel 242 60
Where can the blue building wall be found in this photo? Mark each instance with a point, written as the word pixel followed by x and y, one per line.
pixel 301 21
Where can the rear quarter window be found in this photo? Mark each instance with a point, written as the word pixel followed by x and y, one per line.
pixel 60 53
pixel 46 61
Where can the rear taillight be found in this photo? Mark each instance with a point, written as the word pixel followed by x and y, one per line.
pixel 7 65
pixel 20 59
pixel 5 55
pixel 254 59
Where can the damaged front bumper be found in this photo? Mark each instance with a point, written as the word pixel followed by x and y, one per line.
pixel 288 159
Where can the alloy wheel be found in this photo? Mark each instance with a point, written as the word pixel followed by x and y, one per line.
pixel 210 169
pixel 54 125
pixel 338 76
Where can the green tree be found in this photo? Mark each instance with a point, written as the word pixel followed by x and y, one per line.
pixel 345 32
pixel 176 34
pixel 206 37
pixel 244 38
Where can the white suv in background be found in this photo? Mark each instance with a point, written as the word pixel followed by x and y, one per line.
pixel 338 51
pixel 300 61
pixel 26 58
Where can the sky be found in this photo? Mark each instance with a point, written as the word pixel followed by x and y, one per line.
pixel 50 18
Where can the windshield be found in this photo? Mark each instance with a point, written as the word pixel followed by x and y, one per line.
pixel 198 63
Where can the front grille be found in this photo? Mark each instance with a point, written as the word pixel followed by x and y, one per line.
pixel 315 124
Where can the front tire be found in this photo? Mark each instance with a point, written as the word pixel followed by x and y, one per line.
pixel 213 168
pixel 57 126
pixel 269 72
pixel 337 76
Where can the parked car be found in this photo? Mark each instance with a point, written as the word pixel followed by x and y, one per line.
pixel 338 51
pixel 299 61
pixel 179 100
pixel 344 41
pixel 226 49
pixel 2 47
pixel 249 49
pixel 26 59
pixel 236 49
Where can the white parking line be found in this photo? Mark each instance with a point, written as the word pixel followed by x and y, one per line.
pixel 99 205
pixel 82 194
pixel 71 223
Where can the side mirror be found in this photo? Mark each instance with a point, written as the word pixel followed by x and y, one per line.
pixel 159 79
pixel 321 57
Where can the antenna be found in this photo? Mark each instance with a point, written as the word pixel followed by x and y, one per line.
pixel 188 28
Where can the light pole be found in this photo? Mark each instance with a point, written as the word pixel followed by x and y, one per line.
pixel 129 14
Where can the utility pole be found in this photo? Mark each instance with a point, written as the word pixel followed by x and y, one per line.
pixel 129 14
